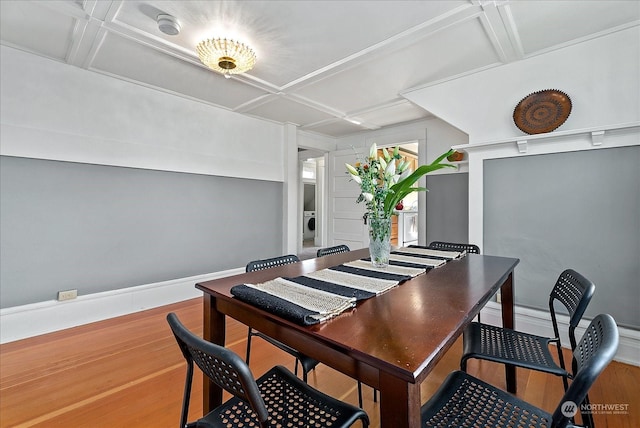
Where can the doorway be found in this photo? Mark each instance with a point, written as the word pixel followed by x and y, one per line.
pixel 311 203
pixel 309 214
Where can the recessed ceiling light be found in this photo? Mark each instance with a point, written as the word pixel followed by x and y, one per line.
pixel 168 24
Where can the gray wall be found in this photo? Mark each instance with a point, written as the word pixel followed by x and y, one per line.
pixel 576 210
pixel 95 228
pixel 448 207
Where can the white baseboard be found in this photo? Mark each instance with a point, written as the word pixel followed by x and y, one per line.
pixel 35 319
pixel 539 322
pixel 45 317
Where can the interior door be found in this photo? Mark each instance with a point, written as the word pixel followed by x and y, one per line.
pixel 345 224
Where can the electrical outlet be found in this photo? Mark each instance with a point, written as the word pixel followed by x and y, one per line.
pixel 498 297
pixel 67 295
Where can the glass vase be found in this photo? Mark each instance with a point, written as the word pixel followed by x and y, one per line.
pixel 379 241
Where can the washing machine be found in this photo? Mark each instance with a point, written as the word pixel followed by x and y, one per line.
pixel 309 220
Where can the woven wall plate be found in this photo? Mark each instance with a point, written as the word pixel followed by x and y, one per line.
pixel 542 111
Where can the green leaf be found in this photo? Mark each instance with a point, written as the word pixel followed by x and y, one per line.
pixel 401 189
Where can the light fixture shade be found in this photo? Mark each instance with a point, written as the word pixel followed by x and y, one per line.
pixel 226 56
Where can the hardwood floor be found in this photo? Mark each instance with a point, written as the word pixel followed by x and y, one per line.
pixel 128 372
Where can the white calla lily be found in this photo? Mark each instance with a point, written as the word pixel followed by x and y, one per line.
pixel 351 169
pixel 391 168
pixel 368 196
pixel 357 179
pixel 373 151
pixel 407 172
pixel 383 164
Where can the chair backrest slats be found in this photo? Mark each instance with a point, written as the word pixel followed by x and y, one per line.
pixel 574 291
pixel 272 262
pixel 454 246
pixel 332 250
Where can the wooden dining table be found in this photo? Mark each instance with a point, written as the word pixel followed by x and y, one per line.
pixel 391 341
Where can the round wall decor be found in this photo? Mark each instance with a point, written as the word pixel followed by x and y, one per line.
pixel 542 111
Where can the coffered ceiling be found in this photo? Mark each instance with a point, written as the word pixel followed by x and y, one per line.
pixel 330 67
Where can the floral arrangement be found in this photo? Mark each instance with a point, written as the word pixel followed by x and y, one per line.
pixel 385 180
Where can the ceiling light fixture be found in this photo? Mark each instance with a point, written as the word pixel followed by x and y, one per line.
pixel 226 56
pixel 168 24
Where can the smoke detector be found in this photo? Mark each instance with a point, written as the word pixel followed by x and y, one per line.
pixel 168 24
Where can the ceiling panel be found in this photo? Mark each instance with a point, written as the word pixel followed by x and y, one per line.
pixel 396 113
pixel 285 110
pixel 385 75
pixel 291 38
pixel 558 22
pixel 158 69
pixel 335 128
pixel 35 28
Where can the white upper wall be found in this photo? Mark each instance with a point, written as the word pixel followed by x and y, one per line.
pixel 50 110
pixel 601 76
pixel 317 142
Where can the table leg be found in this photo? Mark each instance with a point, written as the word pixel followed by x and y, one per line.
pixel 506 294
pixel 399 403
pixel 213 331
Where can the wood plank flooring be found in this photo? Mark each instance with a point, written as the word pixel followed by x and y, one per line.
pixel 128 372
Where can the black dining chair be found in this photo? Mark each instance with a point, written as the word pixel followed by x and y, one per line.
pixel 332 250
pixel 454 246
pixel 336 250
pixel 482 341
pixel 465 401
pixel 276 399
pixel 307 363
